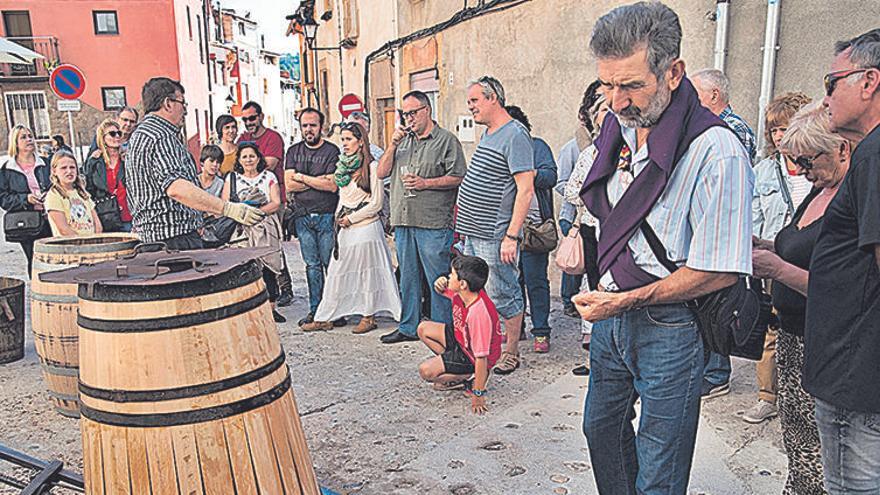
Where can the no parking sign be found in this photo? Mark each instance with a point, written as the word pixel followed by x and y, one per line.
pixel 67 82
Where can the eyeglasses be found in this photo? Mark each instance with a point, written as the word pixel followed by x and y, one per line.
pixel 805 162
pixel 831 78
pixel 412 113
pixel 115 134
pixel 251 118
pixel 182 102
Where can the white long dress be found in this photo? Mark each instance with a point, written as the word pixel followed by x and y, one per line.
pixel 361 281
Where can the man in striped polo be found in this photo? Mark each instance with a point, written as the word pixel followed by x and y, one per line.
pixel 493 202
pixel 669 170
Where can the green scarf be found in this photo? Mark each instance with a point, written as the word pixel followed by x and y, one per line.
pixel 347 165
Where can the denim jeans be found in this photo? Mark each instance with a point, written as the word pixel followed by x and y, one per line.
pixel 503 285
pixel 654 353
pixel 536 286
pixel 717 369
pixel 850 449
pixel 571 285
pixel 422 251
pixel 316 236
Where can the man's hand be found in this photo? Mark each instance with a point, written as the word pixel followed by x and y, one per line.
pixel 398 135
pixel 508 251
pixel 766 264
pixel 596 306
pixel 565 227
pixel 441 284
pixel 243 214
pixel 414 182
pixel 478 404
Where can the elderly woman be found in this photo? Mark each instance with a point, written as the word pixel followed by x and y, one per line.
pixel 104 175
pixel 592 113
pixel 24 180
pixel 823 159
pixel 779 190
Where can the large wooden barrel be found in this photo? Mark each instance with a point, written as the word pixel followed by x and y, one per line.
pixel 184 388
pixel 53 308
pixel 11 319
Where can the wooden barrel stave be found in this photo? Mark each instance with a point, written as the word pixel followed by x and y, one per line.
pixel 11 320
pixel 207 407
pixel 54 309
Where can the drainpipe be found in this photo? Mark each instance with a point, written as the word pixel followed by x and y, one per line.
pixel 768 68
pixel 722 14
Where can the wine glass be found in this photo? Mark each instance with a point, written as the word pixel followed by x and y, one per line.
pixel 404 171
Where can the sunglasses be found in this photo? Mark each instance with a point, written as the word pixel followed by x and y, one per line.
pixel 115 134
pixel 251 118
pixel 830 80
pixel 353 128
pixel 805 162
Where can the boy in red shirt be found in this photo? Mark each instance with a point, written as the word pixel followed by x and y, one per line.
pixel 471 345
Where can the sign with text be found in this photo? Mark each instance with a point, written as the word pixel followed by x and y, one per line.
pixel 69 106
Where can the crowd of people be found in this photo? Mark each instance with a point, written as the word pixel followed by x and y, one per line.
pixel 660 185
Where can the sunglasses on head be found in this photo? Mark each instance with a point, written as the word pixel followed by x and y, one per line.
pixel 805 162
pixel 115 134
pixel 251 118
pixel 351 126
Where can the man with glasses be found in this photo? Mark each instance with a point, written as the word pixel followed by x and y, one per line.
pixel 165 201
pixel 842 331
pixel 426 165
pixel 666 169
pixel 271 145
pixel 127 118
pixel 493 203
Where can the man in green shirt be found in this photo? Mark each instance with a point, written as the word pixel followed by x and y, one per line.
pixel 426 165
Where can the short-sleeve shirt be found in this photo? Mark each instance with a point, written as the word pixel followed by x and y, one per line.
pixel 313 162
pixel 271 144
pixel 437 155
pixel 156 158
pixel 488 192
pixel 263 182
pixel 477 327
pixel 842 334
pixel 77 211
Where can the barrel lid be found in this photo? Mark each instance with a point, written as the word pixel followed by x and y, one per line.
pixel 159 267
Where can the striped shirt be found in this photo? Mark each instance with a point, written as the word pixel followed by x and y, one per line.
pixel 704 216
pixel 745 133
pixel 488 191
pixel 156 158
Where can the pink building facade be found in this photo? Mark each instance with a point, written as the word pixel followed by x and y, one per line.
pixel 119 45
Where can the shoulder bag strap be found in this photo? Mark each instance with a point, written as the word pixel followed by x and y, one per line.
pixel 657 246
pixel 783 186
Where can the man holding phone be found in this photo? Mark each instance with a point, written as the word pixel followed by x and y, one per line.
pixel 426 165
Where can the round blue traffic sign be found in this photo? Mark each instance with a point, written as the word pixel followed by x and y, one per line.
pixel 67 82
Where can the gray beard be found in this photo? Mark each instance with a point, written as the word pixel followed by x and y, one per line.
pixel 638 118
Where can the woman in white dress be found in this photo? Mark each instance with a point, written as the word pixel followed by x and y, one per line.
pixel 360 278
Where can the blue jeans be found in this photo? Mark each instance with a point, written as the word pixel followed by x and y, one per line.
pixel 420 251
pixel 316 237
pixel 503 285
pixel 850 449
pixel 571 285
pixel 537 286
pixel 654 353
pixel 717 369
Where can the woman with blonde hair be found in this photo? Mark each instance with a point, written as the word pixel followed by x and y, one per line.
pixel 24 179
pixel 68 204
pixel 822 158
pixel 104 174
pixel 360 278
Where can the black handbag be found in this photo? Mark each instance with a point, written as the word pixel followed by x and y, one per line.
pixel 541 237
pixel 732 321
pixel 107 209
pixel 23 226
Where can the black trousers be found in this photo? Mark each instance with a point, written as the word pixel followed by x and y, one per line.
pixel 185 242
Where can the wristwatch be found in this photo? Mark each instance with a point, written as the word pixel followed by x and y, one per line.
pixel 478 393
pixel 513 237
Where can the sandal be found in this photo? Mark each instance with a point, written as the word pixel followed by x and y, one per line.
pixel 506 364
pixel 317 326
pixel 445 387
pixel 367 324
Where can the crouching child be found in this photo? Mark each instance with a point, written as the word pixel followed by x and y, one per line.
pixel 469 347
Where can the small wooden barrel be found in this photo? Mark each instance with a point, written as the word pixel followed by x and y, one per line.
pixel 53 308
pixel 184 389
pixel 11 319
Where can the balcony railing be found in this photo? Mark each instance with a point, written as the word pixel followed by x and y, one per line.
pixel 47 46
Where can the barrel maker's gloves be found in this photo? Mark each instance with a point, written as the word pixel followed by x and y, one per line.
pixel 243 214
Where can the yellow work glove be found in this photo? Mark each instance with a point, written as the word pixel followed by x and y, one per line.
pixel 242 213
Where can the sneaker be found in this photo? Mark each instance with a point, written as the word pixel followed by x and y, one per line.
pixel 278 317
pixel 542 345
pixel 710 390
pixel 571 311
pixel 760 412
pixel 506 364
pixel 306 319
pixel 285 299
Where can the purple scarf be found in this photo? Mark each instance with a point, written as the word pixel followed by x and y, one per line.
pixel 682 121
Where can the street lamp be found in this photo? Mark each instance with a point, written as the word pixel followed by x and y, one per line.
pixel 310 28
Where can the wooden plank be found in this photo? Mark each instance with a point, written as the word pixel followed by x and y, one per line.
pixel 304 466
pixel 93 471
pixel 214 458
pixel 116 480
pixel 186 458
pixel 160 458
pixel 138 468
pixel 260 442
pixel 278 429
pixel 240 456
